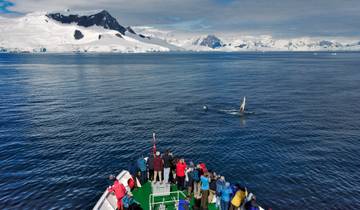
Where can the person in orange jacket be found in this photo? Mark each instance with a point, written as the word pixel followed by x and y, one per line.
pixel 119 190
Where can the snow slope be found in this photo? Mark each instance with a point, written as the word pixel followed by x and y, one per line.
pixel 152 40
pixel 236 42
pixel 36 32
pixel 98 31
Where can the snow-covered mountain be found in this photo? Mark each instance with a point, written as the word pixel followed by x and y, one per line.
pixel 98 31
pixel 236 42
pixel 91 31
pixel 210 41
pixel 267 43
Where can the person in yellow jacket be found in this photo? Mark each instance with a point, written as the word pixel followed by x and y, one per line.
pixel 238 198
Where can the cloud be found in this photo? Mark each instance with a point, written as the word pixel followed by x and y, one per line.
pixel 275 17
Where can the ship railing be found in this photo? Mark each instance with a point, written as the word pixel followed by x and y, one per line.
pixel 175 197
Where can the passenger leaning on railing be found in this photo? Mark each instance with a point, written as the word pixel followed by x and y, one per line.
pixel 118 189
pixel 167 157
pixel 238 198
pixel 150 165
pixel 141 164
pixel 180 173
pixel 251 204
pixel 220 184
pixel 225 195
pixel 212 187
pixel 172 177
pixel 158 167
pixel 190 177
pixel 196 177
pixel 204 190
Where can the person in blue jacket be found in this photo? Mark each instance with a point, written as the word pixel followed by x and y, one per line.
pixel 205 181
pixel 226 193
pixel 220 184
pixel 141 164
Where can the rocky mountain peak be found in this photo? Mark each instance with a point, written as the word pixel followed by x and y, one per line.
pixel 210 41
pixel 102 19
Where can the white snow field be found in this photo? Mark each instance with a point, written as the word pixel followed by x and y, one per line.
pixel 37 32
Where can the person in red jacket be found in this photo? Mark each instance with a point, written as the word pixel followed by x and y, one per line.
pixel 203 168
pixel 180 173
pixel 119 190
pixel 158 166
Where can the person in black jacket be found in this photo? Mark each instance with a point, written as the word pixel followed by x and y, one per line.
pixel 167 157
pixel 196 178
pixel 150 163
pixel 172 177
pixel 251 204
pixel 212 185
pixel 190 177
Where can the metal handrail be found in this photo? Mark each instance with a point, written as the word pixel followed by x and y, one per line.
pixel 152 198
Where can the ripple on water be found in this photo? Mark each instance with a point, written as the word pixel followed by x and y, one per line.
pixel 68 122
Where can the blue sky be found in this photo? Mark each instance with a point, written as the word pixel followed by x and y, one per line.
pixel 281 18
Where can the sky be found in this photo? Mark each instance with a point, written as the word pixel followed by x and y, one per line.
pixel 278 18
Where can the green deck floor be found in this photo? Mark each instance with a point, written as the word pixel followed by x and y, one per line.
pixel 141 195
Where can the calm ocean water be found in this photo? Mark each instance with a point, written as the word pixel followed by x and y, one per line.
pixel 68 121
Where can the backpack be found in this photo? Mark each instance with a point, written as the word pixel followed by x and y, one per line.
pixel 195 175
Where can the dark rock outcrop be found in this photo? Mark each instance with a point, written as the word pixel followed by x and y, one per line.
pixel 242 45
pixel 129 29
pixel 78 35
pixel 325 43
pixel 143 36
pixel 102 18
pixel 260 44
pixel 210 41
